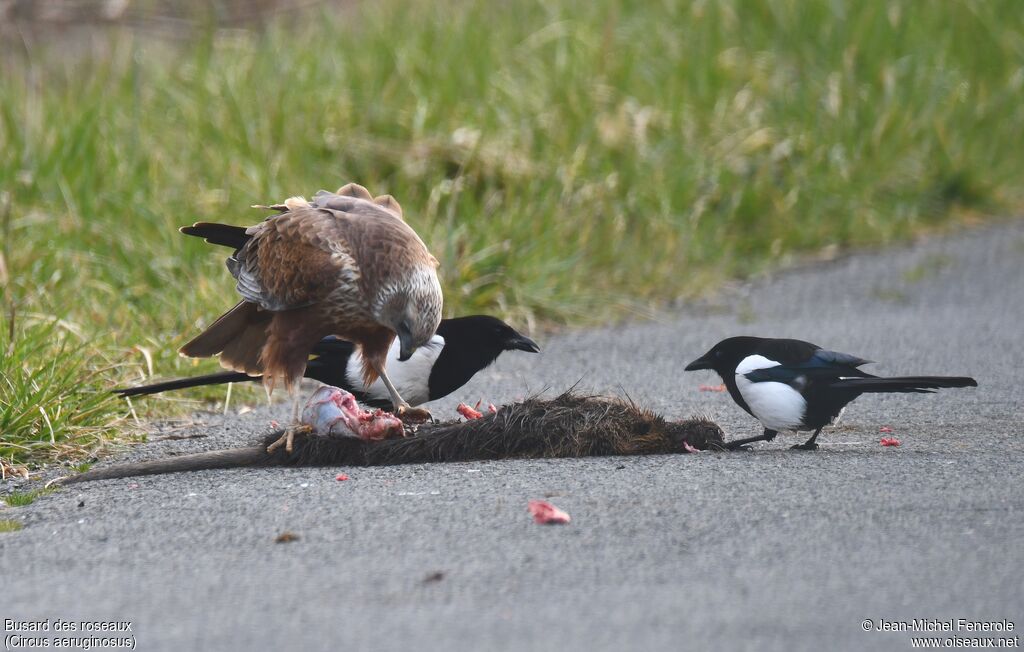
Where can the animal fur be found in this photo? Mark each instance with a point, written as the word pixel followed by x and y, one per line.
pixel 570 425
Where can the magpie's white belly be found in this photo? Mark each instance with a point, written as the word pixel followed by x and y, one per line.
pixel 776 405
pixel 411 378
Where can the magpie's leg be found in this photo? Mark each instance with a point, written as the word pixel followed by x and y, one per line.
pixel 810 444
pixel 741 444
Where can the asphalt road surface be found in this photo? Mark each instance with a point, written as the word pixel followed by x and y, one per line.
pixel 769 550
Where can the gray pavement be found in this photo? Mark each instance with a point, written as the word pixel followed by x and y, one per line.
pixel 769 550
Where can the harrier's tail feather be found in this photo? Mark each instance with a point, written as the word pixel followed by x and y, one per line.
pixel 238 335
pixel 226 235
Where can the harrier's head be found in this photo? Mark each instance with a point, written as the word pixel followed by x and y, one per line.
pixel 411 307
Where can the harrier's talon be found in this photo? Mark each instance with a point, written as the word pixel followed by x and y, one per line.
pixel 409 413
pixel 288 438
pixel 809 446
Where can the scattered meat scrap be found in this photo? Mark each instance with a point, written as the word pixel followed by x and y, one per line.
pixel 341 477
pixel 468 412
pixel 885 429
pixel 286 537
pixel 544 513
pixel 889 441
pixel 712 388
pixel 474 412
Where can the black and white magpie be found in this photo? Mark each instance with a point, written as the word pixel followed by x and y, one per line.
pixel 460 348
pixel 796 385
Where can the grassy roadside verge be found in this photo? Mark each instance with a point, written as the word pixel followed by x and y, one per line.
pixel 566 162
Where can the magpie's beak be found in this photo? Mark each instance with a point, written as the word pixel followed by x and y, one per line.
pixel 406 345
pixel 702 362
pixel 521 343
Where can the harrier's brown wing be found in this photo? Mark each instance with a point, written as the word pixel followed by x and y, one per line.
pixel 294 259
pixel 291 261
pixel 299 257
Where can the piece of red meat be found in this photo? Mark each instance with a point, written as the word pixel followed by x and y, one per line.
pixel 468 412
pixel 544 513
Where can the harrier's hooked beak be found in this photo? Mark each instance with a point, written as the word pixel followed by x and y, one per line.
pixel 522 343
pixel 407 346
pixel 703 362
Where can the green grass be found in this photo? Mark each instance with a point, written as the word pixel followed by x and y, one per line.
pixel 23 498
pixel 565 161
pixel 9 525
pixel 928 267
pixel 52 391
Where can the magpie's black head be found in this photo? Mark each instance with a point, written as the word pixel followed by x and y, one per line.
pixel 470 344
pixel 725 356
pixel 484 335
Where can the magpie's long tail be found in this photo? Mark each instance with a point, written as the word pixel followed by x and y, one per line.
pixel 220 378
pixel 326 368
pixel 915 384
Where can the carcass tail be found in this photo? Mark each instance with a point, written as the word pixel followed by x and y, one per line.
pixel 221 378
pixel 218 234
pixel 907 384
pixel 224 459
